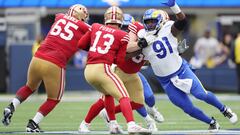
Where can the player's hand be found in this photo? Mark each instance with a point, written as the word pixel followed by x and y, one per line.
pixel 182 46
pixel 169 3
pixel 142 43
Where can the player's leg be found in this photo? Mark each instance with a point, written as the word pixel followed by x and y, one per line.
pixel 199 92
pixel 180 99
pixel 150 100
pixel 92 113
pixel 135 90
pixel 33 82
pixel 114 87
pixel 54 80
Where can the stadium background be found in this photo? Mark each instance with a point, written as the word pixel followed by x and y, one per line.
pixel 22 20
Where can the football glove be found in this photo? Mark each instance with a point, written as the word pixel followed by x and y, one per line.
pixel 169 3
pixel 142 43
pixel 182 46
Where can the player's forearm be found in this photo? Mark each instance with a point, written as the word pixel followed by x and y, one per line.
pixel 181 21
pixel 132 46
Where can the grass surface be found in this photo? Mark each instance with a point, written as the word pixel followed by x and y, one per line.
pixel 68 115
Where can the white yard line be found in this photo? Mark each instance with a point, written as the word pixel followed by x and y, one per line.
pixel 182 132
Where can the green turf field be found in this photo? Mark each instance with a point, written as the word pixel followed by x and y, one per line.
pixel 68 115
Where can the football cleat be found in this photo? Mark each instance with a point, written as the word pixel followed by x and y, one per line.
pixel 230 115
pixel 151 125
pixel 157 116
pixel 7 114
pixel 214 126
pixel 115 128
pixel 136 129
pixel 84 127
pixel 104 116
pixel 33 127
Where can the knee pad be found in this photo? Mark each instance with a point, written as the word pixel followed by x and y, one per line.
pixel 150 101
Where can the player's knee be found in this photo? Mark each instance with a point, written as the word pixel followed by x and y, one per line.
pixel 150 101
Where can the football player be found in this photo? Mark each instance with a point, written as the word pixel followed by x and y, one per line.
pixel 133 29
pixel 159 45
pixel 131 81
pixel 106 41
pixel 48 64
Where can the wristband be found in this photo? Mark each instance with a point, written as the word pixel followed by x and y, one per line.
pixel 176 9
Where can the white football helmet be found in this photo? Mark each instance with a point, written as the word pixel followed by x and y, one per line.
pixel 79 12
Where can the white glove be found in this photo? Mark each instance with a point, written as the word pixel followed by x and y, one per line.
pixel 182 46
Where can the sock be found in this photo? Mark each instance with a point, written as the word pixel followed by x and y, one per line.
pixel 38 118
pixel 212 99
pixel 135 105
pixel 148 118
pixel 209 98
pixel 131 123
pixel 113 122
pixel 117 109
pixel 94 110
pixel 15 103
pixel 48 106
pixel 154 109
pixel 110 107
pixel 23 93
pixel 198 114
pixel 142 111
pixel 150 101
pixel 126 109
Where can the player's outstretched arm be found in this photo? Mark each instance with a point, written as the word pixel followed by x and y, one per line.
pixel 181 21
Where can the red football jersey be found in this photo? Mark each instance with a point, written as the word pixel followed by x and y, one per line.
pixel 105 43
pixel 134 64
pixel 61 41
pixel 135 27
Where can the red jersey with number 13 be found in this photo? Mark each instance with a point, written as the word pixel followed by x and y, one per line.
pixel 61 41
pixel 105 42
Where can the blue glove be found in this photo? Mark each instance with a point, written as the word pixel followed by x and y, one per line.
pixel 169 3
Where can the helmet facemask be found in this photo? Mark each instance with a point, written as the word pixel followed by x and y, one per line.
pixel 152 20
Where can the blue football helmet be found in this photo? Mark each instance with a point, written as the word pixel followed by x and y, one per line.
pixel 127 19
pixel 152 19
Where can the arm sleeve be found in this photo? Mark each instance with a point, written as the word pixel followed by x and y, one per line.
pixel 84 42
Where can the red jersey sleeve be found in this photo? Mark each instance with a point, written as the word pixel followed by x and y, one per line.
pixel 84 27
pixel 135 27
pixel 84 42
pixel 125 39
